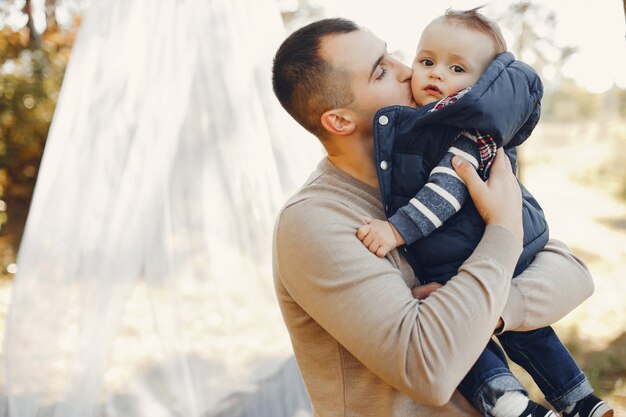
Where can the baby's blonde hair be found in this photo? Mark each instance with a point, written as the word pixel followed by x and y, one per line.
pixel 473 20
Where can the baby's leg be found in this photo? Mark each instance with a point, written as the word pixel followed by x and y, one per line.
pixel 494 391
pixel 489 379
pixel 543 356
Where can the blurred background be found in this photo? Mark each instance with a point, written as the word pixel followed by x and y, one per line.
pixel 575 162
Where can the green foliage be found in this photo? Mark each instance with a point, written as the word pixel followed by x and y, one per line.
pixel 30 79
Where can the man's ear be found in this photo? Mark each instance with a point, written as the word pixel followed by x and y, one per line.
pixel 338 122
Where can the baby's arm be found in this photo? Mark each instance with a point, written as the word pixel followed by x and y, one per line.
pixel 379 236
pixel 444 193
pixel 442 196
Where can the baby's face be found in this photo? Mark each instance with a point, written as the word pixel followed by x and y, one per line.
pixel 449 58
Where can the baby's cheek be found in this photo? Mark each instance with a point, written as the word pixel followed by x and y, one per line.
pixel 420 97
pixel 415 90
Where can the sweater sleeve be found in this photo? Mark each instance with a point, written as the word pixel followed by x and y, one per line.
pixel 422 348
pixel 554 274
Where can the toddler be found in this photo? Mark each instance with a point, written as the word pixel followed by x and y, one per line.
pixel 457 86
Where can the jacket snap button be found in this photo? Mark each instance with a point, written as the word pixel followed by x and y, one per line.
pixel 384 165
pixel 383 120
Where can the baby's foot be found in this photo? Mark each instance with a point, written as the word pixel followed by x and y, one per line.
pixel 590 406
pixel 537 410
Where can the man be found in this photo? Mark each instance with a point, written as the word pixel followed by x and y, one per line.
pixel 364 344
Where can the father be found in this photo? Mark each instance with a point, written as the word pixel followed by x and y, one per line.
pixel 364 344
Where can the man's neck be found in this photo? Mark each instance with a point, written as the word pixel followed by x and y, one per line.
pixel 357 161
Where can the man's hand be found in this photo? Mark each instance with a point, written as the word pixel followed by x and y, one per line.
pixel 422 291
pixel 499 199
pixel 379 237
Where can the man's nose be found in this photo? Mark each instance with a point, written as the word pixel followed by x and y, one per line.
pixel 405 73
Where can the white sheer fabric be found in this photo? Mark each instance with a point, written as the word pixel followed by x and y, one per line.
pixel 145 284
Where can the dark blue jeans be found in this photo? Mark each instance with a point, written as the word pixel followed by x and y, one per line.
pixel 541 354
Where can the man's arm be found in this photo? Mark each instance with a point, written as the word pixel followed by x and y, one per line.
pixel 422 348
pixel 554 274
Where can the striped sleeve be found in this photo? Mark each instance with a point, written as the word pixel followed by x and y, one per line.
pixel 442 196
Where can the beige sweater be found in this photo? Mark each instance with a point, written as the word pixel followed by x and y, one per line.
pixel 364 345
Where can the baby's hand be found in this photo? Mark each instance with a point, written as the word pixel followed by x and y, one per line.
pixel 378 236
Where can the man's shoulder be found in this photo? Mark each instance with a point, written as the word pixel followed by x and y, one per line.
pixel 318 197
pixel 324 188
pixel 329 202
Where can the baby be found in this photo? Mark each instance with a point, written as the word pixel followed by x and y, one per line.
pixel 425 199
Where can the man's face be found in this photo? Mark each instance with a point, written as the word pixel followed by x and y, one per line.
pixel 377 79
pixel 449 58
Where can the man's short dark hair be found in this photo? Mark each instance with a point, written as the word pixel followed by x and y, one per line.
pixel 305 84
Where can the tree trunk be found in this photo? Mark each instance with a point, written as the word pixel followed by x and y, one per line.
pixel 30 24
pixel 51 20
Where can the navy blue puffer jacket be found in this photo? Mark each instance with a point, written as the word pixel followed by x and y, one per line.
pixel 408 144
